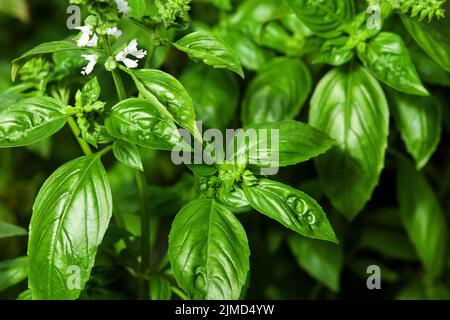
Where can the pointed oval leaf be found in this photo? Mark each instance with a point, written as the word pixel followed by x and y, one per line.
pixel 349 105
pixel 168 95
pixel 211 49
pixel 280 144
pixel 70 217
pixel 420 122
pixel 208 251
pixel 422 217
pixel 30 120
pixel 277 93
pixel 140 122
pixel 128 154
pixel 388 58
pixel 44 48
pixel 432 38
pixel 290 207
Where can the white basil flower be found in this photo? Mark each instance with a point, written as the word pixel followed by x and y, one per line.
pixel 85 39
pixel 123 7
pixel 114 32
pixel 92 61
pixel 132 50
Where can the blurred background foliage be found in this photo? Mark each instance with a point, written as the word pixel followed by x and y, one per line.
pixel 283 265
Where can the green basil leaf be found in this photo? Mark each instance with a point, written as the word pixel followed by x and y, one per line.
pixel 160 289
pixel 420 122
pixel 290 207
pixel 70 217
pixel 12 272
pixel 422 217
pixel 89 94
pixel 30 120
pixel 297 142
pixel 9 230
pixel 277 93
pixel 388 58
pixel 428 69
pixel 44 48
pixel 128 154
pixel 140 122
pixel 432 38
pixel 210 49
pixel 349 105
pixel 334 52
pixel 250 54
pixel 321 260
pixel 324 17
pixel 168 95
pixel 389 244
pixel 214 106
pixel 208 251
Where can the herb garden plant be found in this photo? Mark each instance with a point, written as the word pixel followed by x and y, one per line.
pixel 357 86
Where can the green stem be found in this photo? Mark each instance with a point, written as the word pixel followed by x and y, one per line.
pixel 179 293
pixel 152 34
pixel 145 233
pixel 121 94
pixel 142 188
pixel 76 132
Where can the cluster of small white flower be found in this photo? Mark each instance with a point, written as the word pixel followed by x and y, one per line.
pixel 89 39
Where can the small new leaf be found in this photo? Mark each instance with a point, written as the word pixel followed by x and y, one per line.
pixel 128 154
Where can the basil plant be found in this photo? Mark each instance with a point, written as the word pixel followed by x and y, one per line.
pixel 135 82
